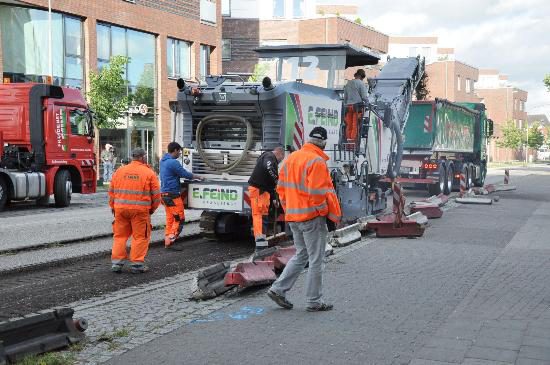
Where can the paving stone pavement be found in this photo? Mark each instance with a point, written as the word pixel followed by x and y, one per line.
pixel 441 299
pixel 473 290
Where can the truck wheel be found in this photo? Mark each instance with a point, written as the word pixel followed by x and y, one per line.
pixel 480 180
pixel 62 188
pixel 467 176
pixel 3 193
pixel 439 187
pixel 448 180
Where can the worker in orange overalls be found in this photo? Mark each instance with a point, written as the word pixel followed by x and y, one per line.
pixel 261 189
pixel 308 197
pixel 355 96
pixel 171 171
pixel 134 195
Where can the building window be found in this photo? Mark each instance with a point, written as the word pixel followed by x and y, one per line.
pixel 298 8
pixel 472 86
pixel 468 85
pixel 226 49
pixel 178 57
pixel 278 8
pixel 25 47
pixel 135 129
pixel 204 61
pixel 458 83
pixel 226 8
pixel 413 52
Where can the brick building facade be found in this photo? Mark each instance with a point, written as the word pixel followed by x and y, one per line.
pixel 504 103
pixel 193 25
pixel 246 34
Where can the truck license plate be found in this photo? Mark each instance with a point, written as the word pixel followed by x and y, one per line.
pixel 216 197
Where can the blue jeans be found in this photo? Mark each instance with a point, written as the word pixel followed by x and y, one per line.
pixel 107 171
pixel 310 239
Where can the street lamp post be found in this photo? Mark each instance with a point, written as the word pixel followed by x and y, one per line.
pixel 527 144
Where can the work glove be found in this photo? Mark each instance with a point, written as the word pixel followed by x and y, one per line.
pixel 151 211
pixel 113 212
pixel 331 226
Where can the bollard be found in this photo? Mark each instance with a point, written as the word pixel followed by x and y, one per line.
pixel 462 185
pixel 506 176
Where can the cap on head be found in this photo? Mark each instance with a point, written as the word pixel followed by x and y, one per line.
pixel 138 152
pixel 319 133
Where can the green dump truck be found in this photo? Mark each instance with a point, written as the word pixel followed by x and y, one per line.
pixel 443 140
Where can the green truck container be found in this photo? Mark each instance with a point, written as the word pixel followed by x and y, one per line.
pixel 443 140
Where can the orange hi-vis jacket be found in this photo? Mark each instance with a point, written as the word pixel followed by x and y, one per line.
pixel 135 186
pixel 305 187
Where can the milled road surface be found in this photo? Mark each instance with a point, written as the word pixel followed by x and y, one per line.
pixel 30 292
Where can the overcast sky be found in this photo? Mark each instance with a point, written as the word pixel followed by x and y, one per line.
pixel 512 36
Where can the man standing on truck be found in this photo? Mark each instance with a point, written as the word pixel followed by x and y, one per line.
pixel 134 196
pixel 107 157
pixel 308 198
pixel 355 97
pixel 171 171
pixel 261 189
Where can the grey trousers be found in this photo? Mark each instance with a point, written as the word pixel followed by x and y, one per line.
pixel 310 238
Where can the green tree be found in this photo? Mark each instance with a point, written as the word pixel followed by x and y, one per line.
pixel 358 21
pixel 108 92
pixel 421 90
pixel 536 137
pixel 547 81
pixel 512 136
pixel 260 71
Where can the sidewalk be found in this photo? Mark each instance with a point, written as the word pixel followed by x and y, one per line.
pixel 474 290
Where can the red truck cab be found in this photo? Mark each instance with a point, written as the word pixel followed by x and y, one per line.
pixel 46 144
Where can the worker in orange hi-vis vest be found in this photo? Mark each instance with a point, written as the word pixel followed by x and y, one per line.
pixel 308 198
pixel 134 195
pixel 261 188
pixel 355 96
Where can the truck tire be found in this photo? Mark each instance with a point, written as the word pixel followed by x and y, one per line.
pixel 3 193
pixel 62 188
pixel 467 175
pixel 470 179
pixel 479 181
pixel 439 187
pixel 448 179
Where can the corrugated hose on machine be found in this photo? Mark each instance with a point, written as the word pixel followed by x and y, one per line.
pixel 224 118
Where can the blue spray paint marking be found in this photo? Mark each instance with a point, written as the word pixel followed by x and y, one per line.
pixel 241 314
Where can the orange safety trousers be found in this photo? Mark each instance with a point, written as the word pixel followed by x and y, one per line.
pixel 259 202
pixel 175 216
pixel 352 123
pixel 134 223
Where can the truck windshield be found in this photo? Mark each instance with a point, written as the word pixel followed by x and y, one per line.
pixel 323 71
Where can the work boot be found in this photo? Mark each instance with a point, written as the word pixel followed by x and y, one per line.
pixel 280 300
pixel 139 269
pixel 116 268
pixel 323 307
pixel 169 240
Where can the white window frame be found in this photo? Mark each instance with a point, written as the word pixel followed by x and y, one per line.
pixel 175 52
pixel 458 83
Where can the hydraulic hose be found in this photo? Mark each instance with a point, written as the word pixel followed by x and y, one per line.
pixel 216 118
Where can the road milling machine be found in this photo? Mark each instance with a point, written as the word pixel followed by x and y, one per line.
pixel 225 123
